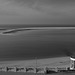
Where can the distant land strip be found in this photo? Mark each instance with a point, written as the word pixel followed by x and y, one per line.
pixel 9 31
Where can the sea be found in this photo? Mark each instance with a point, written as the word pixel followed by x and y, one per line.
pixel 23 42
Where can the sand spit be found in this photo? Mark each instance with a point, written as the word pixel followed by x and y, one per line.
pixel 12 31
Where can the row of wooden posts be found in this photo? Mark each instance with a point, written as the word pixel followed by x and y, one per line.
pixel 22 69
pixel 32 69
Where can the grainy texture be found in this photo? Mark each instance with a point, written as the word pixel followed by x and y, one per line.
pixel 10 73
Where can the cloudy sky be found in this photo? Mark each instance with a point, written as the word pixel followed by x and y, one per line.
pixel 37 12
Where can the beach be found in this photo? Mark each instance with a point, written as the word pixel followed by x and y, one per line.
pixel 12 73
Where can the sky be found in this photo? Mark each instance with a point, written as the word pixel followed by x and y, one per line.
pixel 37 12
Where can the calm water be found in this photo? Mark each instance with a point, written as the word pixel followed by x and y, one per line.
pixel 36 43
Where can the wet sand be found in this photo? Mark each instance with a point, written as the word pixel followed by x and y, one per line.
pixel 19 73
pixel 52 62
